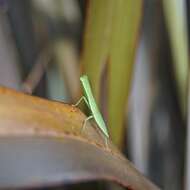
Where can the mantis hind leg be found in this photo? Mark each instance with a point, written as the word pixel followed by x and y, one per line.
pixel 85 121
pixel 84 125
pixel 106 142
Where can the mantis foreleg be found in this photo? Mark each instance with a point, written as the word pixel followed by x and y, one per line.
pixel 80 100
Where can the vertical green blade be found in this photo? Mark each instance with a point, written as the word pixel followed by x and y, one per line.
pixel 125 30
pixel 96 41
pixel 111 32
pixel 175 14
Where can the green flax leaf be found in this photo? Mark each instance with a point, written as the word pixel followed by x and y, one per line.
pixel 110 38
pixel 175 13
pixel 96 41
pixel 125 30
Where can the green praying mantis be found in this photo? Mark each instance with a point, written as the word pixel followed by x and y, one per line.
pixel 91 103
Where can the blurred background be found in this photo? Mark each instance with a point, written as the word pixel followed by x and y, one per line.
pixel 136 55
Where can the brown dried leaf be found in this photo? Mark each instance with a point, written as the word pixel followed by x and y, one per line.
pixel 42 144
